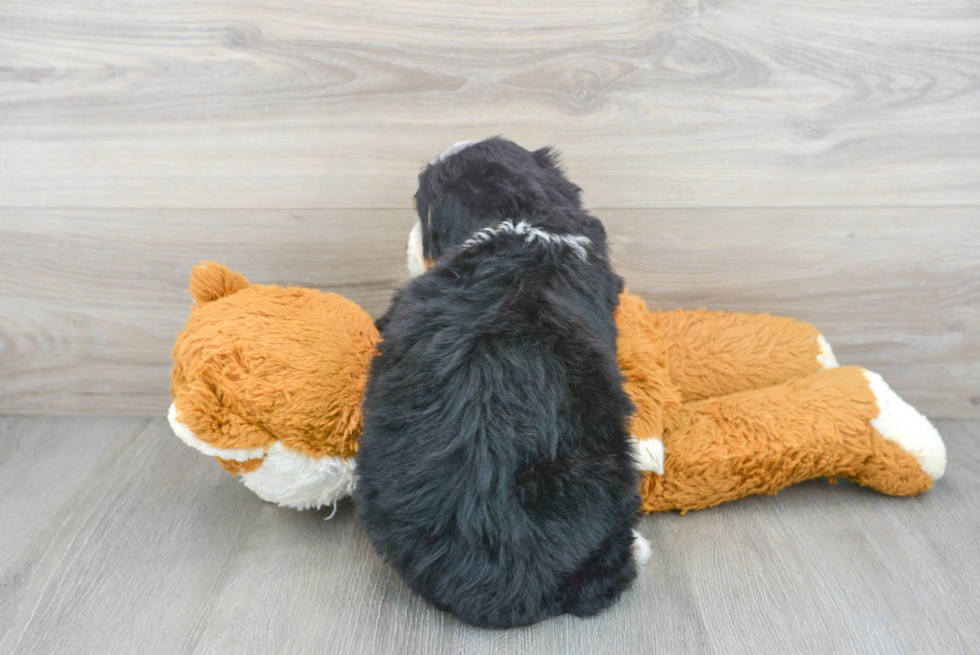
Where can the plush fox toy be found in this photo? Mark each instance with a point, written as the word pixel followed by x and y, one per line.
pixel 269 380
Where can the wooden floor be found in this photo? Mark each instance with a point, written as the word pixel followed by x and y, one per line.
pixel 117 538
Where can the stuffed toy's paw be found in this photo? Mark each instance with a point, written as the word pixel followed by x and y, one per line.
pixel 269 380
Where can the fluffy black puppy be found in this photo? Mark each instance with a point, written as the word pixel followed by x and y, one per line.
pixel 475 184
pixel 495 471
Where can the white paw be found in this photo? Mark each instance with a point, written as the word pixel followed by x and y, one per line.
pixel 901 423
pixel 641 549
pixel 826 355
pixel 649 454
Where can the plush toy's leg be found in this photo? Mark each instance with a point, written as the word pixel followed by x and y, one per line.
pixel 713 354
pixel 838 422
pixel 668 358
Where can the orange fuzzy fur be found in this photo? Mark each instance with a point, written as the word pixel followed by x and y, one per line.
pixel 760 441
pixel 739 400
pixel 267 363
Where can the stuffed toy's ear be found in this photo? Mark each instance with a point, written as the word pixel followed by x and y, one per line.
pixel 210 281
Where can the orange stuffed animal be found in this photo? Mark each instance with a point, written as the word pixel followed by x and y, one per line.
pixel 269 380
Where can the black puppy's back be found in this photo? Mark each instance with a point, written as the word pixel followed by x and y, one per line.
pixel 494 467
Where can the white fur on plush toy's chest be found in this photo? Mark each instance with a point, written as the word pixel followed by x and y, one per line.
pixel 286 477
pixel 291 479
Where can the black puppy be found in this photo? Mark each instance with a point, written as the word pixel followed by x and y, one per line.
pixel 495 470
pixel 492 180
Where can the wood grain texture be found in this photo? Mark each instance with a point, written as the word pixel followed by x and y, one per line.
pixel 335 105
pixel 825 570
pixel 91 300
pixel 895 291
pixel 120 539
pixel 103 550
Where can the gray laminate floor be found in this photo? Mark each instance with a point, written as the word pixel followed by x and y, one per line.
pixel 116 538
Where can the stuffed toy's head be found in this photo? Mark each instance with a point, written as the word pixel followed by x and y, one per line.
pixel 269 380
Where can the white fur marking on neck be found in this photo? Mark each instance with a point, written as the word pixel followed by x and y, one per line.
pixel 456 147
pixel 416 256
pixel 902 424
pixel 291 479
pixel 185 434
pixel 531 234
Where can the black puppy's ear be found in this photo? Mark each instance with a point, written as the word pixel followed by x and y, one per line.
pixel 546 157
pixel 557 186
pixel 448 223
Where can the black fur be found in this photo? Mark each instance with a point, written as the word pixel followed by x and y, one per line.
pixel 494 469
pixel 486 183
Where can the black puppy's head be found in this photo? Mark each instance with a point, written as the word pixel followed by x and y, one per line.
pixel 477 184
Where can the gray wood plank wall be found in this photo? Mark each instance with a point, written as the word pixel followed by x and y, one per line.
pixel 92 299
pixel 819 160
pixel 311 104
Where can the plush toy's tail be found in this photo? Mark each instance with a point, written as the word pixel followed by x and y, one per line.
pixel 210 281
